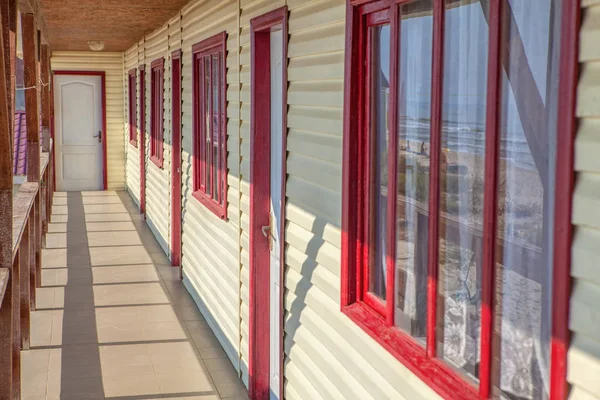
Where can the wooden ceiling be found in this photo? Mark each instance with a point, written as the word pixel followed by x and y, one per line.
pixel 70 24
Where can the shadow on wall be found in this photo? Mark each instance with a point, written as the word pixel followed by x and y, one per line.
pixel 294 311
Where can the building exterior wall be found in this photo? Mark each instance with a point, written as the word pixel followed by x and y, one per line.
pixel 112 65
pixel 584 355
pixel 326 354
pixel 158 186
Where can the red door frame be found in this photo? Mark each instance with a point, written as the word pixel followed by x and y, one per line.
pixel 260 150
pixel 142 145
pixel 176 158
pixel 102 76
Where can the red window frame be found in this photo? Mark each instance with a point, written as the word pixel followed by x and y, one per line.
pixel 131 78
pixel 157 97
pixel 204 168
pixel 375 316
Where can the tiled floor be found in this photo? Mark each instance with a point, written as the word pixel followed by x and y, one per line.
pixel 113 321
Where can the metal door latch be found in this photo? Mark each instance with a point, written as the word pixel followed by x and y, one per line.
pixel 99 136
pixel 265 230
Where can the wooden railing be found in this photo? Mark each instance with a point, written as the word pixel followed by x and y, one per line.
pixel 32 207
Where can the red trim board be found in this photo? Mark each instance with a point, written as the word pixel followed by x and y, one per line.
pixel 132 111
pixel 157 97
pixel 260 147
pixel 142 140
pixel 102 75
pixel 565 181
pixel 176 158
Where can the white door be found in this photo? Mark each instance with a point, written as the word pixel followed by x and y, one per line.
pixel 78 132
pixel 276 171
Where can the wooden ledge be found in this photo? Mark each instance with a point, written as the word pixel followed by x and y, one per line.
pixel 22 203
pixel 4 274
pixel 44 160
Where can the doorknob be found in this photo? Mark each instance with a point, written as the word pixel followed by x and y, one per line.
pixel 99 136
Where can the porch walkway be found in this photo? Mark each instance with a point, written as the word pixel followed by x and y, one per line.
pixel 113 321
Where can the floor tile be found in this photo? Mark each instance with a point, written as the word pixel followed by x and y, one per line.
pixel 185 381
pixel 124 360
pixel 131 385
pixel 119 255
pixel 125 273
pixel 124 238
pixel 112 217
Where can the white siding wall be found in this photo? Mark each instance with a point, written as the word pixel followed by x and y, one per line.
pixel 584 354
pixel 132 171
pixel 210 254
pixel 158 180
pixel 112 65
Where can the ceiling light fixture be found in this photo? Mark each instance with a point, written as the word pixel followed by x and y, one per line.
pixel 96 45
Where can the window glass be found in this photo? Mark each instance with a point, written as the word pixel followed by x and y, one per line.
pixel 207 116
pixel 412 212
pixel 526 198
pixel 462 184
pixel 379 37
pixel 216 104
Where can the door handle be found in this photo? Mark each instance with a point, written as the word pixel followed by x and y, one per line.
pixel 99 136
pixel 265 230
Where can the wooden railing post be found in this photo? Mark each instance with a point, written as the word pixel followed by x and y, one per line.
pixel 16 329
pixel 29 33
pixel 31 269
pixel 7 302
pixel 38 240
pixel 24 265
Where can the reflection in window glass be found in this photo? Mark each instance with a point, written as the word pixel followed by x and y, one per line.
pixel 525 199
pixel 207 116
pixel 216 122
pixel 414 113
pixel 462 185
pixel 378 149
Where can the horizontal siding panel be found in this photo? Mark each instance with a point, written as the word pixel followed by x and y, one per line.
pixel 588 92
pixel 322 173
pixel 587 145
pixel 313 246
pixel 314 68
pixel 586 255
pixel 584 364
pixel 319 146
pixel 316 14
pixel 590 32
pixel 324 39
pixel 585 313
pixel 330 233
pixel 586 201
pixel 316 93
pixel 314 198
pixel 313 119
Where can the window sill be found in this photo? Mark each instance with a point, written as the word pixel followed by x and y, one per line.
pixel 438 376
pixel 157 161
pixel 219 210
pixel 133 142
